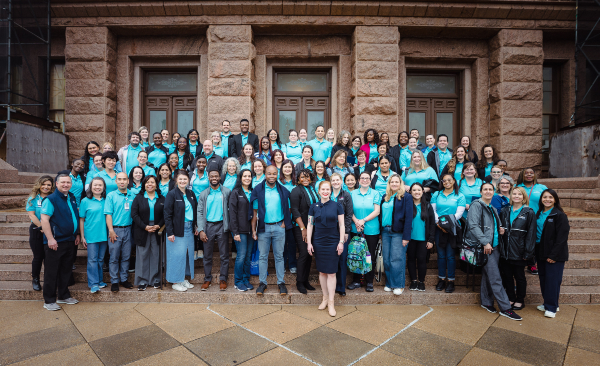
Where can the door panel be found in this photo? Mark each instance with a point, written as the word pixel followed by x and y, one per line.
pixel 184 114
pixel 287 110
pixel 314 114
pixel 433 116
pixel 158 113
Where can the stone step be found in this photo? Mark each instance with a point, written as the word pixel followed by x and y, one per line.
pixel 14 186
pixel 579 222
pixel 15 228
pixel 21 191
pixel 8 216
pixel 584 246
pixel 11 202
pixel 571 183
pixel 28 179
pixel 14 242
pixel 584 234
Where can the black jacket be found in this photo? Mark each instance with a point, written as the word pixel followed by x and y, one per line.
pixel 300 202
pixel 555 234
pixel 472 156
pixel 429 220
pixel 345 199
pixel 433 159
pixel 188 161
pixel 214 159
pixel 394 163
pixel 337 147
pixel 518 241
pixel 239 212
pixel 140 214
pixel 236 147
pixel 175 211
pixel 300 166
pixel 162 148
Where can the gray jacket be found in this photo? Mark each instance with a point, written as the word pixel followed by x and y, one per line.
pixel 480 224
pixel 202 208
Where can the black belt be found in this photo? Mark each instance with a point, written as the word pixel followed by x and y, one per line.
pixel 272 223
pixel 121 227
pixel 215 222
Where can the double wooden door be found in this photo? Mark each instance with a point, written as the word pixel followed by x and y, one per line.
pixel 176 114
pixel 299 112
pixel 433 116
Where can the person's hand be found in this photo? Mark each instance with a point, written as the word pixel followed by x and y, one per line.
pixel 374 171
pixel 550 261
pixel 501 231
pixel 112 236
pixel 283 224
pixel 426 189
pixel 237 238
pixel 487 249
pixel 203 236
pixel 429 245
pixel 84 242
pixel 156 227
pixel 52 244
pixel 149 228
pixel 309 248
pixel 196 232
pixel 254 235
pixel 467 207
pixel 340 248
pixel 77 240
pixel 304 235
pixel 171 238
pixel 405 242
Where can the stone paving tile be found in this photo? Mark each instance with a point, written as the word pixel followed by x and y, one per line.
pixel 78 355
pixel 179 356
pixel 124 348
pixel 195 325
pixel 311 312
pixel 399 314
pixel 160 312
pixel 244 313
pixel 32 321
pixel 478 357
pixel 89 310
pixel 366 327
pixel 426 348
pixel 544 328
pixel 577 357
pixel 471 312
pixel 111 324
pixel 587 319
pixel 16 308
pixel 384 358
pixel 565 315
pixel 528 349
pixel 585 338
pixel 278 356
pixel 28 345
pixel 230 346
pixel 329 347
pixel 281 326
pixel 453 327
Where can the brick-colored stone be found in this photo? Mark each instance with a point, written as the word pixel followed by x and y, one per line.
pixel 516 108
pixel 233 105
pixel 361 123
pixel 214 122
pixel 375 88
pixel 85 52
pixel 517 56
pixel 517 144
pixel 84 105
pixel 375 70
pixel 516 73
pixel 378 35
pixel 231 87
pixel 231 51
pixel 90 35
pixel 376 52
pixel 374 105
pixel 517 38
pixel 518 161
pixel 85 123
pixel 229 33
pixel 515 126
pixel 85 88
pixel 230 69
pixel 85 70
pixel 516 91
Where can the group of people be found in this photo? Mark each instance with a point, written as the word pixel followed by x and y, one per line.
pixel 300 199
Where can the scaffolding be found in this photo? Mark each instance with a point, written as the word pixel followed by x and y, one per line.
pixel 587 63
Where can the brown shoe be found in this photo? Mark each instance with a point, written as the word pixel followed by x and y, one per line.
pixel 223 286
pixel 205 286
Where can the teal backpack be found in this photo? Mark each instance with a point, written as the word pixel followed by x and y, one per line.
pixel 359 258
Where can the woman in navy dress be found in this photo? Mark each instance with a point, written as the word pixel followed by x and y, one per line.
pixel 326 221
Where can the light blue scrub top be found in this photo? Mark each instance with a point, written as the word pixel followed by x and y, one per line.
pixel 387 209
pixel 273 210
pixel 410 176
pixel 418 226
pixel 214 205
pixel 94 227
pixel 321 150
pixel 447 205
pixel 364 205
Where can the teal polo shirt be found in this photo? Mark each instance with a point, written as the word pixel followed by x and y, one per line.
pixel 318 183
pixel 247 165
pixel 134 190
pixel 171 147
pixel 364 205
pixel 470 191
pixel 445 157
pixel 405 157
pixel 427 151
pixel 293 152
pixel 247 193
pixel 372 151
pixel 199 184
pixel 410 176
pixel 193 148
pixel 273 210
pixel 76 187
pixel 488 169
pixel 257 180
pixel 230 181
pixel 219 150
pixel 214 205
pixel 225 144
pixel 111 183
pixel 157 157
pixel 458 171
pixel 534 193
pixel 387 209
pixel 90 175
pixel 180 159
pixel 144 145
pixel 447 205
pixel 119 206
pixel 164 188
pixel 514 214
pixel 148 171
pixel 94 227
pixel 541 220
pixel 35 205
pixel 48 209
pixel 321 150
pixel 287 184
pixel 189 210
pixel 244 139
pixel 381 183
pixel 275 146
pixel 132 155
pixel 418 226
pixel 151 204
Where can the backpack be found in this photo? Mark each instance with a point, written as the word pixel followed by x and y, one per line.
pixel 359 258
pixel 470 252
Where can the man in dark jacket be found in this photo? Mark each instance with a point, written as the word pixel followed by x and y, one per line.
pixel 213 161
pixel 440 155
pixel 236 144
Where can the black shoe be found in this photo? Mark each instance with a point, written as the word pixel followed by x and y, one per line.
pixel 157 285
pixel 342 293
pixel 105 268
pixel 518 307
pixel 369 287
pixel 490 308
pixel 36 284
pixel 301 288
pixel 440 285
pixel 308 286
pixel 126 284
pixel 261 289
pixel 142 287
pixel 74 268
pixel 353 286
pixel 450 287
pixel 421 286
pixel 282 289
pixel 114 287
pixel 413 285
pixel 510 315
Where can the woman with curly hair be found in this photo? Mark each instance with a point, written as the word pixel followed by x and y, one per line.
pixel 371 138
pixel 489 158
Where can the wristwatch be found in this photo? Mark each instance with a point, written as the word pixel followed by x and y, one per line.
pixel 301 229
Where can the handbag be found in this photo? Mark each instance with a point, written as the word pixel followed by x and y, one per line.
pixel 472 253
pixel 254 271
pixel 379 270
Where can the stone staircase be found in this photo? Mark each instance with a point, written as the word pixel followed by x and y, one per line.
pixel 577 193
pixel 581 283
pixel 15 186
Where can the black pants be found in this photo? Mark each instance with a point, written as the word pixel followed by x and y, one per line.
pixel 304 259
pixel 58 267
pixel 36 243
pixel 372 241
pixel 416 254
pixel 343 267
pixel 551 275
pixel 510 274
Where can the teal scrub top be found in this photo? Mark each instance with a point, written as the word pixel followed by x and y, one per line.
pixel 48 209
pixel 247 165
pixel 444 158
pixel 447 205
pixel 287 184
pixel 387 209
pixel 257 180
pixel 540 224
pixel 135 189
pixel 35 205
pixel 119 206
pixel 219 150
pixel 381 182
pixel 157 158
pixel 180 157
pixel 214 205
pixel 151 204
pixel 488 169
pixel 230 181
pixel 410 176
pixel 364 205
pixel 418 226
pixel 458 171
pixel 373 151
pixel 225 143
pixel 405 157
pixel 94 226
pixel 132 155
pixel 321 150
pixel 194 148
pixel 199 184
pixel 111 183
pixel 76 187
pixel 273 210
pixel 164 188
pixel 148 171
pixel 293 152
pixel 470 191
pixel 534 193
pixel 514 214
pixel 189 211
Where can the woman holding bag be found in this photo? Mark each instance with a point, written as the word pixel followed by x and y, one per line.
pixel 240 226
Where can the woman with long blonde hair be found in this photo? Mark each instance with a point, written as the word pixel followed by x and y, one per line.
pixel 420 172
pixel 396 225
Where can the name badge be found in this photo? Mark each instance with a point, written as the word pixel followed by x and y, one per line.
pixel 550 220
pixel 522 217
pixel 39 203
pixel 126 205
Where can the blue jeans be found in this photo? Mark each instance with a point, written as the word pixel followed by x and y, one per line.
pixel 446 259
pixel 242 261
pixel 120 248
pixel 290 249
pixel 394 258
pixel 273 235
pixel 95 259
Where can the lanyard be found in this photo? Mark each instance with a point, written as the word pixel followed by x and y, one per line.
pixel 310 192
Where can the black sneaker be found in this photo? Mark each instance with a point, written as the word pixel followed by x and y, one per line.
pixel 126 284
pixel 413 285
pixel 510 315
pixel 105 268
pixel 114 287
pixel 369 287
pixel 490 308
pixel 441 285
pixel 157 285
pixel 450 287
pixel 142 287
pixel 421 286
pixel 353 286
pixel 261 289
pixel 282 289
pixel 533 270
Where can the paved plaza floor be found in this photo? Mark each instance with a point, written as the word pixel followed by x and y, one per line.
pixel 202 334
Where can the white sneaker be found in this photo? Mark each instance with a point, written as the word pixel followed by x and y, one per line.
pixel 398 291
pixel 542 308
pixel 387 289
pixel 200 254
pixel 52 307
pixel 549 314
pixel 186 283
pixel 179 287
pixel 234 255
pixel 196 255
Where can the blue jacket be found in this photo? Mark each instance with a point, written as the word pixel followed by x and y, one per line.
pixel 402 215
pixel 259 193
pixel 61 221
pixel 499 202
